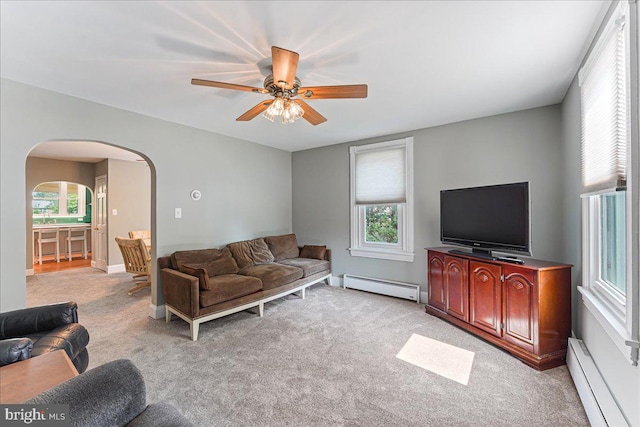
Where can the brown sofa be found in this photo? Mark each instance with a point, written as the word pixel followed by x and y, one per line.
pixel 205 284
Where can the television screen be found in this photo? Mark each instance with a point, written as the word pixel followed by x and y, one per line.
pixel 488 218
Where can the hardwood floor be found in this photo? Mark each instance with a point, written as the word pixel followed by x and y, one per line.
pixel 49 264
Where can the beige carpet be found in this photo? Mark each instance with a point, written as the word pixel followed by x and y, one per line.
pixel 337 358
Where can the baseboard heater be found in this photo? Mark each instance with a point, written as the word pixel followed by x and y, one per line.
pixel 385 287
pixel 599 404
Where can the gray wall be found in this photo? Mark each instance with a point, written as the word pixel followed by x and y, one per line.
pixel 128 191
pixel 39 170
pixel 521 146
pixel 246 187
pixel 622 379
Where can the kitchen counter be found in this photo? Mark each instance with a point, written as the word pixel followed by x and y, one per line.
pixel 79 225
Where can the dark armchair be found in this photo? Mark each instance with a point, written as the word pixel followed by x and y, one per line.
pixel 31 332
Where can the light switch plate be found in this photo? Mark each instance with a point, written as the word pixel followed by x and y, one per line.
pixel 178 213
pixel 114 212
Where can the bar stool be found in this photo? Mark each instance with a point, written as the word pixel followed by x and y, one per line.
pixel 48 235
pixel 71 237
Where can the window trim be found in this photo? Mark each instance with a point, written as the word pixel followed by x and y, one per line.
pixel 619 321
pixel 63 201
pixel 404 251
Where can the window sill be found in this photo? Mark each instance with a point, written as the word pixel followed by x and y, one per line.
pixel 616 331
pixel 382 254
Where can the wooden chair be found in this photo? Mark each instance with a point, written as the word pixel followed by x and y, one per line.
pixel 136 261
pixel 145 235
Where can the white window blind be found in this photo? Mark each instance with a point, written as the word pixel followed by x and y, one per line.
pixel 381 176
pixel 603 85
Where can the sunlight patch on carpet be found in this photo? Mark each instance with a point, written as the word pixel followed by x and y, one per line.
pixel 440 358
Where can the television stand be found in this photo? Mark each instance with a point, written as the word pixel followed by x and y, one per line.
pixel 524 309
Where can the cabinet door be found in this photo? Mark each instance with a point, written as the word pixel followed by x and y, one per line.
pixel 519 307
pixel 435 267
pixel 485 295
pixel 456 287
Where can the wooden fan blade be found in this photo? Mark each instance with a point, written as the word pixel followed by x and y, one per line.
pixel 222 85
pixel 326 92
pixel 311 115
pixel 285 64
pixel 254 111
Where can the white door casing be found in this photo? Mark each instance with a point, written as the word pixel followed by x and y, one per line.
pixel 100 224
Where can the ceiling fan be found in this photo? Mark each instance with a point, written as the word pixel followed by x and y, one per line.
pixel 288 92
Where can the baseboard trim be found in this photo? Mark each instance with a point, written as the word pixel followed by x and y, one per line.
pixel 117 268
pixel 598 403
pixel 30 272
pixel 423 297
pixel 337 281
pixel 157 311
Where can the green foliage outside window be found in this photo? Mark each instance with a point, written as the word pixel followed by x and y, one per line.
pixel 72 204
pixel 382 224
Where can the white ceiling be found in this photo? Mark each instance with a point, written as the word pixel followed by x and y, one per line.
pixel 426 63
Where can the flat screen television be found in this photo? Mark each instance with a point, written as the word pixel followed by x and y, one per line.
pixel 488 218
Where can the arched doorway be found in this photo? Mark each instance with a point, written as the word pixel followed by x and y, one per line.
pixel 131 179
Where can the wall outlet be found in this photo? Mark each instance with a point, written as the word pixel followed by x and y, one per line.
pixel 114 212
pixel 178 213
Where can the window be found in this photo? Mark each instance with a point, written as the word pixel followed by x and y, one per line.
pixel 610 218
pixel 382 200
pixel 58 199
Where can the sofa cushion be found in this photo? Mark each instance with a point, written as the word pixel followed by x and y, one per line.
pixel 309 266
pixel 227 287
pixel 316 252
pixel 197 256
pixel 283 247
pixel 250 252
pixel 273 275
pixel 200 273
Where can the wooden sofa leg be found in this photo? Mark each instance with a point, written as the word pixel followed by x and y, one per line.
pixel 194 330
pixel 167 314
pixel 261 309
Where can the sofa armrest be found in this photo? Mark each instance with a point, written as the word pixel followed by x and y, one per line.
pixel 15 349
pixel 27 321
pixel 181 291
pixel 327 256
pixel 111 394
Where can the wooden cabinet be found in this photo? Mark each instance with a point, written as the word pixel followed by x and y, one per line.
pixel 450 288
pixel 485 289
pixel 524 309
pixel 435 267
pixel 456 287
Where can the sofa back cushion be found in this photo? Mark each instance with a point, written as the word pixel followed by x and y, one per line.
pixel 250 252
pixel 283 247
pixel 197 256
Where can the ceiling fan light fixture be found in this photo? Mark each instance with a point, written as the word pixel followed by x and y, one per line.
pixel 285 107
